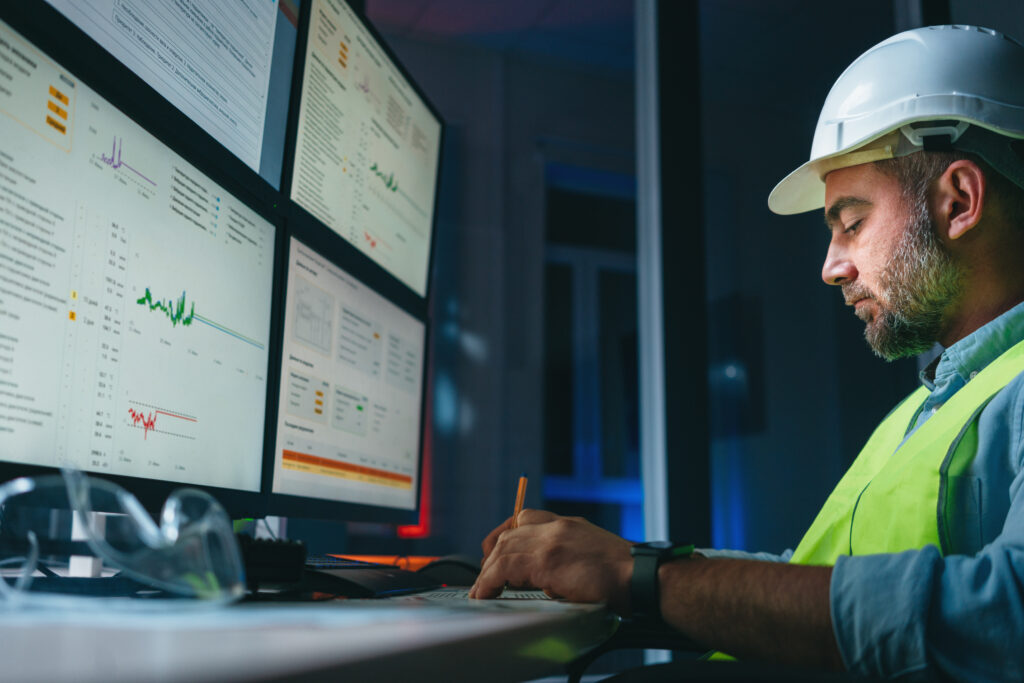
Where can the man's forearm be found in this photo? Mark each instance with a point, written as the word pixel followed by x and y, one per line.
pixel 763 611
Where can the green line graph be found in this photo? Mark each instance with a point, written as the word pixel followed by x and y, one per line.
pixel 387 178
pixel 391 184
pixel 174 310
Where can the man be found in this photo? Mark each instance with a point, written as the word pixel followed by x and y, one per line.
pixel 915 565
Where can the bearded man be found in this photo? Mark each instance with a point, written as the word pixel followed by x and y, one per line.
pixel 915 564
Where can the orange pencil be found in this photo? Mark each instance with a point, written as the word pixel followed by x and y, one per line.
pixel 520 499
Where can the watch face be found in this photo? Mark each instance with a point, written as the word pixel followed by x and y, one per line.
pixel 653 548
pixel 659 545
pixel 663 549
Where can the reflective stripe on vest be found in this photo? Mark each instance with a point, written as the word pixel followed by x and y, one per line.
pixel 891 498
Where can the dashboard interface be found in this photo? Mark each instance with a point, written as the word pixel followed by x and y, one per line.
pixel 351 386
pixel 135 292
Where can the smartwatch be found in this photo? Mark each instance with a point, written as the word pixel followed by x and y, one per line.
pixel 644 596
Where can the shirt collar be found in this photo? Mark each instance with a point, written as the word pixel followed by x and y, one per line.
pixel 970 355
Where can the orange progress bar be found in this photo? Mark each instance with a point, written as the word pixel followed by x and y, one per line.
pixel 308 459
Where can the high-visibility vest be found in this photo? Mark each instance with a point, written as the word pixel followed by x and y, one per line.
pixel 894 497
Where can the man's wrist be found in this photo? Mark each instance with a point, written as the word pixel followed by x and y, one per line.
pixel 644 593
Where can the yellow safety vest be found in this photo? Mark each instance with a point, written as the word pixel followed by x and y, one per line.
pixel 893 497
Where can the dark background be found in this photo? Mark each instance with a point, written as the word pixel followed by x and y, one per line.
pixel 534 353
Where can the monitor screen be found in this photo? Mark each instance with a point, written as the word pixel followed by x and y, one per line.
pixel 135 293
pixel 350 407
pixel 227 66
pixel 367 146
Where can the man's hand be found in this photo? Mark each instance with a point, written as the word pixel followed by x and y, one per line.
pixel 567 557
pixel 764 611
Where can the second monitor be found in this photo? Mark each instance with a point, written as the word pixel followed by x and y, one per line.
pixel 351 401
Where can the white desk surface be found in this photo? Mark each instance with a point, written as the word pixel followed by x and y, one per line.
pixel 359 639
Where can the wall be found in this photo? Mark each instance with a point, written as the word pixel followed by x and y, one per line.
pixel 509 116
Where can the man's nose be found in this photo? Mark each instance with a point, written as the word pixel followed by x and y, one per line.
pixel 838 268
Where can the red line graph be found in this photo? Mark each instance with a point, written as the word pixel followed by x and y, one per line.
pixel 149 421
pixel 375 241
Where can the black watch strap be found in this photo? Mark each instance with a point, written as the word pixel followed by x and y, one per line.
pixel 644 594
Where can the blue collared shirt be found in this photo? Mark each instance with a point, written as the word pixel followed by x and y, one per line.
pixel 918 613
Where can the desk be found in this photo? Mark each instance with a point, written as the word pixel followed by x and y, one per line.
pixel 357 639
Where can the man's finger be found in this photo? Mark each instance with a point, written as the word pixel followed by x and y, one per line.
pixel 492 538
pixel 528 516
pixel 530 539
pixel 497 571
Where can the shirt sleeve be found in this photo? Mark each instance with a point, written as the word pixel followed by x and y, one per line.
pixel 744 555
pixel 919 613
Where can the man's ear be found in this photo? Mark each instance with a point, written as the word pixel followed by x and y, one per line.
pixel 960 196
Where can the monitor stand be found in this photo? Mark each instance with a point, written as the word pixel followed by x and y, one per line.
pixel 84 575
pixel 86 566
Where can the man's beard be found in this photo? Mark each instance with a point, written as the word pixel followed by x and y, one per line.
pixel 919 284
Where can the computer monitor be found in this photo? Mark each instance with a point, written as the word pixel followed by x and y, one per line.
pixel 350 410
pixel 135 295
pixel 367 145
pixel 227 66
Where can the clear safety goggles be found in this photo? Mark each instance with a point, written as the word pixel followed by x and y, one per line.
pixel 191 553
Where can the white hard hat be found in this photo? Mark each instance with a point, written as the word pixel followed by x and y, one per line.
pixel 941 86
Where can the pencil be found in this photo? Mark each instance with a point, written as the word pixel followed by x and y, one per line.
pixel 520 499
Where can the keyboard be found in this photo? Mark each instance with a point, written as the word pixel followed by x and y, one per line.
pixel 451 594
pixel 355 578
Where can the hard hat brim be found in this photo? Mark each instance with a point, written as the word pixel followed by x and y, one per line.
pixel 800 191
pixel 804 189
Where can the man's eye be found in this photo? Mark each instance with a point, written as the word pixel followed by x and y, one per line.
pixel 853 227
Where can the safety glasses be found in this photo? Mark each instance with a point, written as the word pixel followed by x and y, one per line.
pixel 192 552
